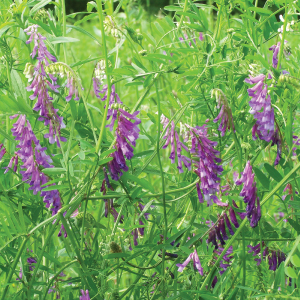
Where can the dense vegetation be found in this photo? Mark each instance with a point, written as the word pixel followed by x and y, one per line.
pixel 149 153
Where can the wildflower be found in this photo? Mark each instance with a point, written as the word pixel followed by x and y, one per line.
pixel 196 263
pixel 171 136
pixel 249 192
pixel 276 140
pixel 13 160
pixel 225 113
pixel 40 85
pixel 296 142
pixel 224 263
pixel 33 156
pixel 275 48
pixel 205 159
pixel 289 189
pixel 31 261
pixel 84 295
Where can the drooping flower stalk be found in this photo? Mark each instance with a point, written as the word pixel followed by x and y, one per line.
pixel 264 126
pixel 196 263
pixel 40 86
pixel 205 160
pixel 127 132
pixel 33 157
pixel 249 192
pixel 225 114
pixel 224 263
pixel 171 137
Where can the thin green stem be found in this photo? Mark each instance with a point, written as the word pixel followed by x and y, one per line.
pixel 63 6
pixel 244 266
pixel 182 17
pixel 163 186
pixel 101 19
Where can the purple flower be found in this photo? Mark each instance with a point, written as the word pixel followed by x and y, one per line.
pixel 196 263
pixel 276 140
pixel 224 263
pixel 85 295
pixel 2 151
pixel 31 261
pixel 40 86
pixel 127 134
pixel 275 49
pixel 296 142
pixel 249 192
pixel 264 126
pixel 20 275
pixel 205 159
pixel 33 157
pixel 13 160
pixel 225 113
pixel 171 136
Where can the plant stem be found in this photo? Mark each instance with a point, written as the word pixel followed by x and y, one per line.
pixel 100 14
pixel 63 5
pixel 182 17
pixel 163 187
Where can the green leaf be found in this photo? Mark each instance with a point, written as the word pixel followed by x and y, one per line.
pixel 38 6
pixel 173 8
pixel 56 187
pixel 107 152
pixel 261 11
pixel 84 32
pixel 262 178
pixel 86 18
pixel 288 129
pixel 290 272
pixel 18 85
pixel 294 224
pixel 54 171
pixel 258 57
pixel 104 161
pixel 63 39
pixel 295 260
pixel 146 207
pixel 273 172
pixel 143 182
pixel 115 255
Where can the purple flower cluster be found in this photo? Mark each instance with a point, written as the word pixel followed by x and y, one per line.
pixel 127 132
pixel 33 156
pixel 40 86
pixel 275 257
pixel 171 136
pixel 196 263
pixel 201 38
pixel 205 160
pixel 224 263
pixel 225 114
pixel 30 261
pixel 275 48
pixel 84 295
pixel 219 231
pixel 276 140
pixel 249 192
pixel 264 126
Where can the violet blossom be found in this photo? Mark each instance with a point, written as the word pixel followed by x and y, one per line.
pixel 225 114
pixel 171 137
pixel 249 192
pixel 196 263
pixel 84 295
pixel 276 140
pixel 33 156
pixel 40 86
pixel 224 263
pixel 205 159
pixel 275 48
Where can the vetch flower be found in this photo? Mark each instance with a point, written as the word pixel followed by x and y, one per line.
pixel 224 263
pixel 40 86
pixel 196 263
pixel 249 192
pixel 276 140
pixel 275 48
pixel 171 137
pixel 84 295
pixel 225 113
pixel 205 160
pixel 33 156
pixel 264 126
pixel 31 261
